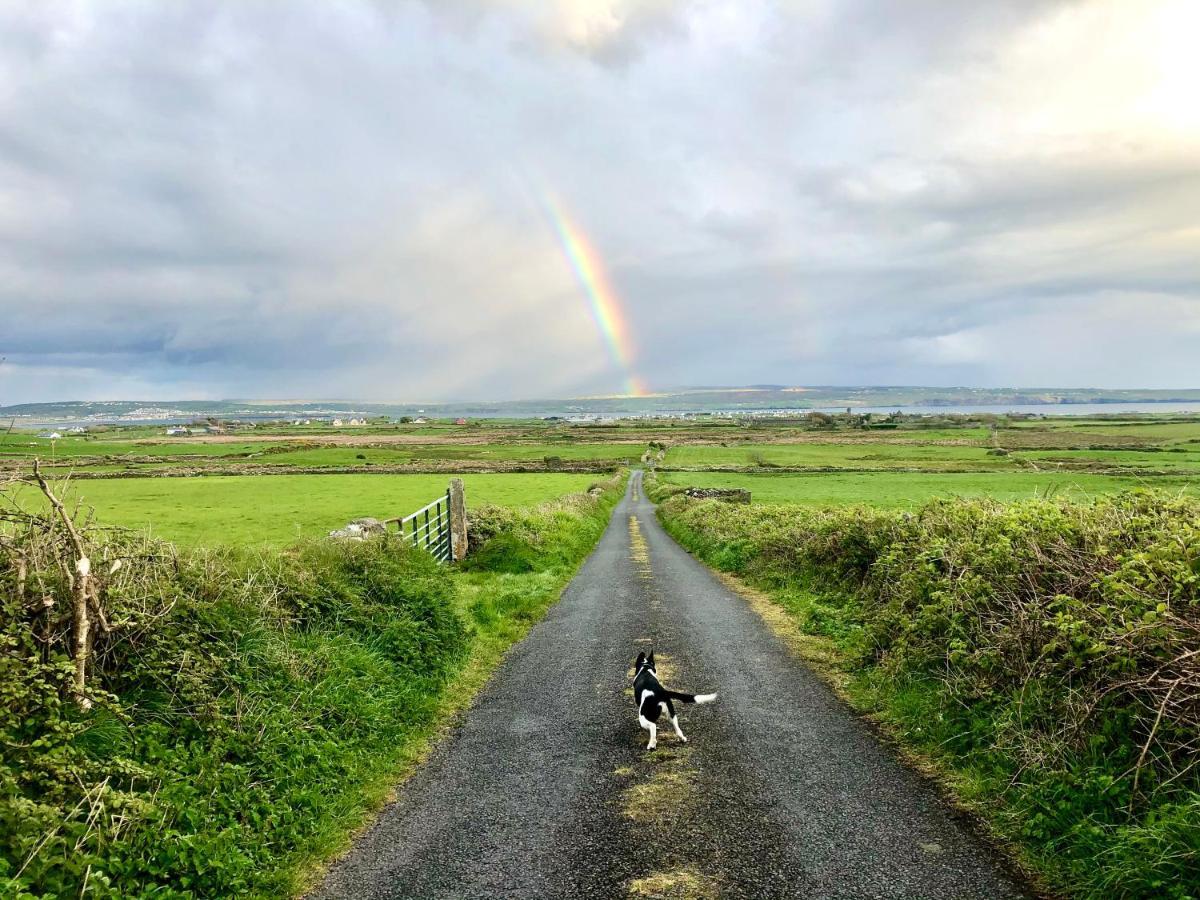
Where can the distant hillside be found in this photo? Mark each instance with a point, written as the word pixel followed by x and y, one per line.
pixel 676 400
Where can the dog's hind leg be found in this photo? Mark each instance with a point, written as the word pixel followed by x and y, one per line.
pixel 652 728
pixel 669 707
pixel 675 725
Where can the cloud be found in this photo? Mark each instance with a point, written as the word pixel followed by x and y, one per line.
pixel 238 199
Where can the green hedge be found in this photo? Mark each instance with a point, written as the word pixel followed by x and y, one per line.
pixel 552 534
pixel 221 736
pixel 247 709
pixel 1046 652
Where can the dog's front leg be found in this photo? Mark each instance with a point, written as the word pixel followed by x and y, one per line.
pixel 650 727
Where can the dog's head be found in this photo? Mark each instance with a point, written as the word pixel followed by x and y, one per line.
pixel 644 662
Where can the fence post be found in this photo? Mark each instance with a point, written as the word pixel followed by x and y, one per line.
pixel 458 519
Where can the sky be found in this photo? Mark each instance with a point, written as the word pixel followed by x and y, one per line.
pixel 468 200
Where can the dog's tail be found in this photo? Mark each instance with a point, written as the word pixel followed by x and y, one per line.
pixel 691 698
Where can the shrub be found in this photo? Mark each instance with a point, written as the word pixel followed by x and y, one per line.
pixel 1057 645
pixel 539 538
pixel 243 704
pixel 231 698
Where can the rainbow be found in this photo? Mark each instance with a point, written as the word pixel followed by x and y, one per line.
pixel 603 302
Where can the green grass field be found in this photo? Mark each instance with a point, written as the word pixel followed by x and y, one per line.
pixel 276 510
pixel 1176 458
pixel 1149 431
pixel 865 455
pixel 1180 457
pixel 401 453
pixel 301 453
pixel 921 442
pixel 903 489
pixel 922 457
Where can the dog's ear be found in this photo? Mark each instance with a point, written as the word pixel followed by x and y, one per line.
pixel 641 659
pixel 651 659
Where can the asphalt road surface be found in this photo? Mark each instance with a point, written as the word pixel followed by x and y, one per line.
pixel 546 789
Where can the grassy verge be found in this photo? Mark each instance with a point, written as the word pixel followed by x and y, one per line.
pixel 1043 655
pixel 247 710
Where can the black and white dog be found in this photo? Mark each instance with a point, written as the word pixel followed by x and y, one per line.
pixel 652 698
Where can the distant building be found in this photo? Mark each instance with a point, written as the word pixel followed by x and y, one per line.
pixel 50 435
pixel 178 431
pixel 420 420
pixel 460 421
pixel 78 429
pixel 336 423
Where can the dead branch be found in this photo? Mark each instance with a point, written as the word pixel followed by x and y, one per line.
pixel 83 590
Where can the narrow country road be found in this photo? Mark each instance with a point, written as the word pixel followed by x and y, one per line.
pixel 547 790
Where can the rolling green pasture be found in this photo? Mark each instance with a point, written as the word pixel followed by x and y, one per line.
pixel 276 510
pixel 1150 431
pixel 1053 434
pixel 904 466
pixel 1171 455
pixel 402 453
pixel 300 453
pixel 921 433
pixel 76 447
pixel 1181 459
pixel 865 455
pixel 902 489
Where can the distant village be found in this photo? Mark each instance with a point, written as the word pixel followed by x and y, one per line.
pixel 226 427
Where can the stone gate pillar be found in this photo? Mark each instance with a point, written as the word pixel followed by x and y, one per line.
pixel 458 518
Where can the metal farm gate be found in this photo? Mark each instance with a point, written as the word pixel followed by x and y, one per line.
pixel 440 526
pixel 429 527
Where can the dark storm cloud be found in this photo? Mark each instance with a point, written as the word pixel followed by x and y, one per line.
pixel 348 199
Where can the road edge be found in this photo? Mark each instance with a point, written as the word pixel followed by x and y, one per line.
pixel 819 656
pixel 459 697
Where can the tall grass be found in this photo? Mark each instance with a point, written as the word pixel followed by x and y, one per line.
pixel 247 709
pixel 1046 653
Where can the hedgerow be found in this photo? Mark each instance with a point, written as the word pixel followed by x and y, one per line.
pixel 1047 651
pixel 551 534
pixel 238 707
